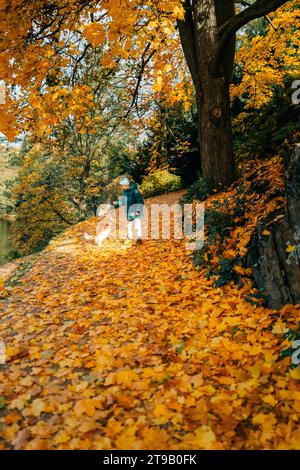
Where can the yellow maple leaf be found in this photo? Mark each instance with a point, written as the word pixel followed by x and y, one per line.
pixel 125 377
pixel 158 84
pixel 202 438
pixel 270 400
pixel 290 248
pixel 160 410
pixel 37 407
pixel 61 437
pixel 95 34
pixel 128 439
pixel 85 406
pixel 295 373
pixel 260 418
pixel 179 12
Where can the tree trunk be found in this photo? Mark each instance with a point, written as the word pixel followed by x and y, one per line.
pixel 199 35
pixel 82 206
pixel 215 133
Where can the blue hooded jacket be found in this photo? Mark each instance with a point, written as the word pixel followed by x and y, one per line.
pixel 133 201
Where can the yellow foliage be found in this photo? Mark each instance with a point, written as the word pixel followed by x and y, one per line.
pixel 267 60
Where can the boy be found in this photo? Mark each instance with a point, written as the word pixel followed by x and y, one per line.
pixel 132 199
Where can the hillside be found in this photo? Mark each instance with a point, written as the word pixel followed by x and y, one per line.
pixel 133 348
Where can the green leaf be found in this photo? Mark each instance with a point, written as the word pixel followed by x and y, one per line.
pixel 2 403
pixel 180 347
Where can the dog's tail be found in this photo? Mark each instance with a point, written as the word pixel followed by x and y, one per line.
pixel 88 237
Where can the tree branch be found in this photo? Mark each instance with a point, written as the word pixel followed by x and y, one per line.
pixel 140 76
pixel 256 10
pixel 187 37
pixel 59 214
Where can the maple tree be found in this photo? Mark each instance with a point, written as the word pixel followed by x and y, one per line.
pixel 65 165
pixel 265 119
pixel 35 54
pixel 269 58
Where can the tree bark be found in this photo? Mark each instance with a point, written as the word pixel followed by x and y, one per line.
pixel 200 39
pixel 82 206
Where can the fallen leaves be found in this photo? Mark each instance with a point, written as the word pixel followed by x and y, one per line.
pixel 87 406
pixel 21 439
pixel 295 373
pixel 135 349
pixel 123 378
pixel 202 438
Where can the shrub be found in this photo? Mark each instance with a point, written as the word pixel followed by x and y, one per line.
pixel 201 190
pixel 198 191
pixel 220 220
pixel 160 182
pixel 11 255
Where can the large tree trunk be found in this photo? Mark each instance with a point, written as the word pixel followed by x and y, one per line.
pixel 214 106
pixel 215 133
pixel 216 138
pixel 200 40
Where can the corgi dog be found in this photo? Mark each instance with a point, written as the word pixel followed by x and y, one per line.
pixel 103 228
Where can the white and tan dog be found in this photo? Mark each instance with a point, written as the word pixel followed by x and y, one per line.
pixel 103 228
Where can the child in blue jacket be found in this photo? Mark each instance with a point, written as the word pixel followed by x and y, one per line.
pixel 132 199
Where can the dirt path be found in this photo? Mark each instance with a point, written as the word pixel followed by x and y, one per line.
pixel 132 348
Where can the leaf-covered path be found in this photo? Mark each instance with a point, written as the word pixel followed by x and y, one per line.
pixel 132 348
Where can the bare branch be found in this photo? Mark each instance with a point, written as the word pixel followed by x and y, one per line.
pixel 140 76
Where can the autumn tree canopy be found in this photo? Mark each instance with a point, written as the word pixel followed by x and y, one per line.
pixel 42 40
